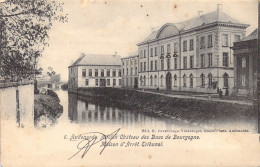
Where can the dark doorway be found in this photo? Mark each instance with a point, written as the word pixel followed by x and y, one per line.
pixel 169 81
pixel 136 83
pixel 102 82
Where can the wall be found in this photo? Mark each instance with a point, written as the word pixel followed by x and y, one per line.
pixel 17 100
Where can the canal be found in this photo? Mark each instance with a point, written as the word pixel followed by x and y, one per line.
pixel 91 112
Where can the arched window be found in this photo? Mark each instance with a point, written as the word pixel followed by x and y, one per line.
pixel 161 80
pixel 151 80
pixel 184 81
pixel 141 80
pixel 175 80
pixel 225 80
pixel 202 77
pixel 144 81
pixel 210 80
pixel 155 80
pixel 191 80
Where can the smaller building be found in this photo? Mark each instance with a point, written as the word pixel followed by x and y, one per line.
pixel 245 65
pixel 91 70
pixel 130 71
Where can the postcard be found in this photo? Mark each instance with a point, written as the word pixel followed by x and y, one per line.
pixel 129 83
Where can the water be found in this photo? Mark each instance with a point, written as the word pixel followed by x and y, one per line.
pixel 86 111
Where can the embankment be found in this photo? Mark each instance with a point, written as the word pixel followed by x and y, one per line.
pixel 46 107
pixel 191 110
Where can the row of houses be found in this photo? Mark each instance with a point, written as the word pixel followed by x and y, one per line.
pixel 202 54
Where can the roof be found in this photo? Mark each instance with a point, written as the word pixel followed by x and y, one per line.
pixel 97 59
pixel 212 17
pixel 253 35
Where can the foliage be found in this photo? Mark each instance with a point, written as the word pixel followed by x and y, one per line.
pixel 24 27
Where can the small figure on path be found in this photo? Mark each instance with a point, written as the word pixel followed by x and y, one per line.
pixel 220 93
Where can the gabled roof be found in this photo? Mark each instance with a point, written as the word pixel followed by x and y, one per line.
pixel 212 17
pixel 252 36
pixel 97 59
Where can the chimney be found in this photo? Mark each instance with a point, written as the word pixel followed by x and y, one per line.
pixel 199 13
pixel 219 7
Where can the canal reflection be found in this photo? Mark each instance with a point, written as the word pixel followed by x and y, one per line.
pixel 87 110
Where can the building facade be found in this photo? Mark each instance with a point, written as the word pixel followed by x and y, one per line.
pixel 95 71
pixel 245 65
pixel 130 71
pixel 193 55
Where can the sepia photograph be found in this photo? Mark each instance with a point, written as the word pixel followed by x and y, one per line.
pixel 129 83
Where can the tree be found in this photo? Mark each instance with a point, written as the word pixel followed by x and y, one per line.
pixel 50 73
pixel 24 27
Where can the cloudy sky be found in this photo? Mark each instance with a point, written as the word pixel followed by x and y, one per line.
pixel 106 27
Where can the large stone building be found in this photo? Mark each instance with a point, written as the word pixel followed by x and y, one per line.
pixel 192 55
pixel 130 71
pixel 245 65
pixel 95 71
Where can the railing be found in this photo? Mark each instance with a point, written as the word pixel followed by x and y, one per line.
pixel 15 84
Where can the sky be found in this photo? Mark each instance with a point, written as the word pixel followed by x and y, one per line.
pixel 106 27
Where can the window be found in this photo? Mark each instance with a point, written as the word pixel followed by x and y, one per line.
pixel 151 65
pixel 210 84
pixel 210 59
pixel 161 80
pixel 225 59
pixel 114 72
pixel 102 73
pixel 151 80
pixel 108 72
pixel 175 80
pixel 144 66
pixel 87 82
pixel 141 80
pixel 210 44
pixel 243 80
pixel 176 47
pixel 127 62
pixel 119 73
pixel 202 77
pixel 144 53
pixel 184 46
pixel 225 40
pixel 135 70
pixel 162 64
pixel 191 61
pixel 108 82
pixel 237 38
pixel 155 51
pixel 96 82
pixel 127 71
pixel 151 52
pixel 202 42
pixel 191 44
pixel 120 82
pixel 202 62
pixel 185 62
pixel 162 50
pixel 191 80
pixel 144 81
pixel 114 82
pixel 123 71
pixel 90 72
pixel 168 49
pixel 141 54
pixel 225 78
pixel 155 65
pixel 168 64
pixel 155 80
pixel 184 81
pixel 96 72
pixel 141 68
pixel 175 63
pixel 83 72
pixel 243 62
pixel 131 72
pixel 123 63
